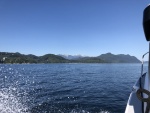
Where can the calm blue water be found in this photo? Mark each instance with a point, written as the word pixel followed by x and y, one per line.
pixel 66 88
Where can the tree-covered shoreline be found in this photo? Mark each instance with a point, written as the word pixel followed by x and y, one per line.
pixel 14 58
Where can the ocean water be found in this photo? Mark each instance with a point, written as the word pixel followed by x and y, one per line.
pixel 66 88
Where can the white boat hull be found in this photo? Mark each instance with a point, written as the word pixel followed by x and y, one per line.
pixel 134 105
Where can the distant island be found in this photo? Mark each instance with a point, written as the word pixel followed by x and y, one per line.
pixel 6 57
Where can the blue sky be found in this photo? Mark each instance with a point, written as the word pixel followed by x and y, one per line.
pixel 86 27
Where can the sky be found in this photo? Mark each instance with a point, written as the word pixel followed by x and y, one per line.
pixel 73 27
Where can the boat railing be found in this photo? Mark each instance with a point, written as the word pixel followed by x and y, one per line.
pixel 143 62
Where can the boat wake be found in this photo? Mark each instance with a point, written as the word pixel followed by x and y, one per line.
pixel 10 103
pixel 83 111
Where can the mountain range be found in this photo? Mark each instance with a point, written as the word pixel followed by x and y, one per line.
pixel 6 57
pixel 71 57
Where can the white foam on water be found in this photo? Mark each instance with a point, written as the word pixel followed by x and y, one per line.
pixel 79 111
pixel 10 103
pixel 104 112
pixel 84 111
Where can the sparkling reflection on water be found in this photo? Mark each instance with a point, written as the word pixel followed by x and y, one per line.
pixel 66 88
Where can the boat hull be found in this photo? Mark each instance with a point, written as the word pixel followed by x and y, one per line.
pixel 134 105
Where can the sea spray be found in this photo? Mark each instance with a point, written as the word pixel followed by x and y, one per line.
pixel 12 98
pixel 10 103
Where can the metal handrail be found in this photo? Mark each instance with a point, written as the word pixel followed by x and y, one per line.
pixel 143 62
